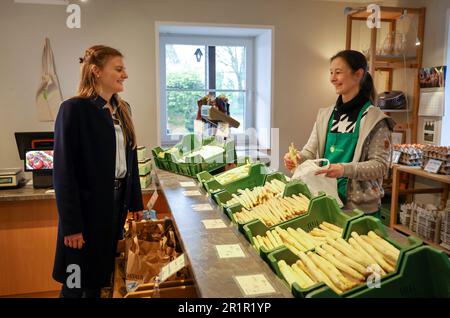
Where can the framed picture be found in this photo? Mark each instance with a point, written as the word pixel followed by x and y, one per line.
pixel 432 76
pixel 398 137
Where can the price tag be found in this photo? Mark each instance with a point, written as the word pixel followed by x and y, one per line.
pixel 187 184
pixel 433 165
pixel 171 268
pixel 254 285
pixel 191 193
pixel 223 130
pixel 214 224
pixel 395 156
pixel 202 207
pixel 230 251
pixel 152 200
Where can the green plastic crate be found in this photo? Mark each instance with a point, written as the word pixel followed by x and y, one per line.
pixel 293 187
pixel 321 208
pixel 425 272
pixel 198 164
pixel 206 176
pixel 195 164
pixel 361 226
pixel 165 162
pixel 255 177
pixel 222 197
pixel 385 216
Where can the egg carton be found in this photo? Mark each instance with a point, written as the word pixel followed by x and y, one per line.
pixel 405 219
pixel 445 237
pixel 426 234
pixel 445 160
pixel 441 153
pixel 445 226
pixel 446 217
pixel 446 246
pixel 411 163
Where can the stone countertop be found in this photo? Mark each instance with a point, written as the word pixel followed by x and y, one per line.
pixel 214 276
pixel 27 193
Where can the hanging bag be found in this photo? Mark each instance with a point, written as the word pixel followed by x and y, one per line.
pixel 48 97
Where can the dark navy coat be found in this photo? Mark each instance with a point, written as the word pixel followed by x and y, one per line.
pixel 83 176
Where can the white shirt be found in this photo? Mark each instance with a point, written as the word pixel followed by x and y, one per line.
pixel 121 159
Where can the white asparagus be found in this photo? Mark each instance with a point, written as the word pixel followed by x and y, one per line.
pixel 329 270
pixel 385 243
pixel 340 265
pixel 371 261
pixel 318 274
pixel 332 227
pixel 386 253
pixel 307 282
pixel 351 253
pixel 305 269
pixel 373 252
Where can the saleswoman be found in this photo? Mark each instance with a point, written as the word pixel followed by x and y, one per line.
pixel 354 135
pixel 96 176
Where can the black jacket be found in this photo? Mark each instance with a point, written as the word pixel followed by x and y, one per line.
pixel 83 177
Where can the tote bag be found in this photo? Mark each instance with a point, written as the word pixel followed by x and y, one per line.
pixel 48 97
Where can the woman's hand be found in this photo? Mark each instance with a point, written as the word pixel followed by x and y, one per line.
pixel 288 163
pixel 74 241
pixel 333 171
pixel 138 216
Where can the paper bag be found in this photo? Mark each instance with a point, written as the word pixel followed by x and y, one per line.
pixel 144 262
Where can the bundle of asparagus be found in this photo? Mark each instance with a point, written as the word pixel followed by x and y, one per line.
pixel 341 265
pixel 298 238
pixel 275 210
pixel 251 198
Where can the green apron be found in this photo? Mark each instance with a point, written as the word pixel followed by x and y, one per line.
pixel 340 148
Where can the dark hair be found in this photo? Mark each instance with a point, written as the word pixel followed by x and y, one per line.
pixel 356 60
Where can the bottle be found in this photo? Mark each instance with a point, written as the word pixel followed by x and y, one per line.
pixel 156 288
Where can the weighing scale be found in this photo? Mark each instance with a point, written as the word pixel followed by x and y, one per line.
pixel 11 178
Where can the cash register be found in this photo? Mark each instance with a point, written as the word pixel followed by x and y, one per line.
pixel 36 150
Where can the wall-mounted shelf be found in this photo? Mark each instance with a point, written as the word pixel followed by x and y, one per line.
pixel 391 62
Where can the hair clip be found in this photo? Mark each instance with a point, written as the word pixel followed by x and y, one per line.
pixel 81 60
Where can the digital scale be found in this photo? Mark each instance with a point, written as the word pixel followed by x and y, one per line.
pixel 11 178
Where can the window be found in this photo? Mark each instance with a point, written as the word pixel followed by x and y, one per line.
pixel 193 66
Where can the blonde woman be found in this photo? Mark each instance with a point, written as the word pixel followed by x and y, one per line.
pixel 96 175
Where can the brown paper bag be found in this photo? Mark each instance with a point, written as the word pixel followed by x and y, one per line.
pixel 143 263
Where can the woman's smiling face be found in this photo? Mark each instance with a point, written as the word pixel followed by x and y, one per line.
pixel 343 78
pixel 112 75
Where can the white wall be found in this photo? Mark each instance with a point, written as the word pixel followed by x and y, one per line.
pixel 307 34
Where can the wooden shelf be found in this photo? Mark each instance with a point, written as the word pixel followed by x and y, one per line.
pixel 395 62
pixel 422 173
pixel 388 63
pixel 405 230
pixel 387 13
pixel 396 110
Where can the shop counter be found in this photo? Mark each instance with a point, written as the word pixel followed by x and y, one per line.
pixel 214 276
pixel 28 230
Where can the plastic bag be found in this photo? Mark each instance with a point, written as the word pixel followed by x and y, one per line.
pixel 316 183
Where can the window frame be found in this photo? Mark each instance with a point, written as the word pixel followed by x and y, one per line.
pixel 188 39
